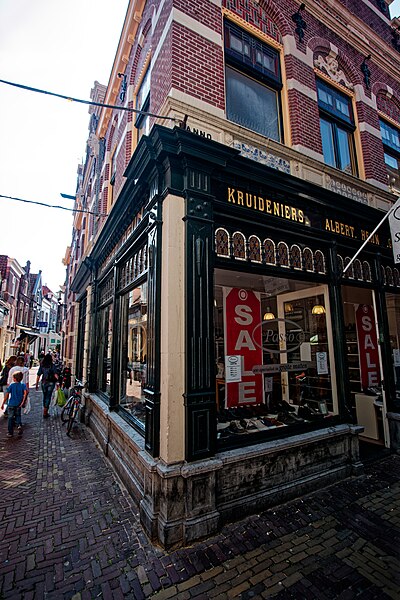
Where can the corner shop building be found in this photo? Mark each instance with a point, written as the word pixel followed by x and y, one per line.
pixel 230 359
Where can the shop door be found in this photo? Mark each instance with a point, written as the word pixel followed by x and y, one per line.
pixel 365 364
pixel 307 358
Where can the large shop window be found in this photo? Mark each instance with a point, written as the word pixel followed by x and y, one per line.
pixel 105 344
pixel 273 346
pixel 391 146
pixel 337 128
pixel 363 360
pixel 133 352
pixel 393 312
pixel 253 83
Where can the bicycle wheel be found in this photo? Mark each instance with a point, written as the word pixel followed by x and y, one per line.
pixel 65 409
pixel 71 415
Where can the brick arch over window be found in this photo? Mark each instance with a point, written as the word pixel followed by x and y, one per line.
pixel 285 26
pixel 387 100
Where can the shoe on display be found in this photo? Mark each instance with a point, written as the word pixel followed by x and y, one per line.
pixel 289 419
pixel 308 413
pixel 284 406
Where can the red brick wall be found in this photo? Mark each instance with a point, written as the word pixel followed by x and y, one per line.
pixel 194 65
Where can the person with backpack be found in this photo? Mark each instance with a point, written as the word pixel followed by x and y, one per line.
pixel 48 374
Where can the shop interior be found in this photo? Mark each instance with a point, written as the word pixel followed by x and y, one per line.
pixel 283 355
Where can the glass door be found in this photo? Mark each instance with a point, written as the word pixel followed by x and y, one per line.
pixel 307 358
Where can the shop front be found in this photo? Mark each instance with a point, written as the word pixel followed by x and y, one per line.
pixel 234 364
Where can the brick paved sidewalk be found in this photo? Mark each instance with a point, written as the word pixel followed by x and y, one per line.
pixel 68 529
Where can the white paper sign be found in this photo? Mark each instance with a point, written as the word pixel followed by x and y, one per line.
pixel 268 384
pixel 394 223
pixel 322 363
pixel 233 368
pixel 305 351
pixel 396 357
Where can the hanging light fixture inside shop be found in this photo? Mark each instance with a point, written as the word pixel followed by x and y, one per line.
pixel 289 307
pixel 318 309
pixel 268 315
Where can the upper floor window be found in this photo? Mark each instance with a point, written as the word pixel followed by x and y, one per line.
pixel 253 83
pixel 391 146
pixel 337 128
pixel 142 122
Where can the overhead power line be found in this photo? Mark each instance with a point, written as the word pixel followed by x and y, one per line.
pixel 77 210
pixel 90 102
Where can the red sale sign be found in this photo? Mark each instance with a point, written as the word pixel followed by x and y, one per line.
pixel 367 346
pixel 242 310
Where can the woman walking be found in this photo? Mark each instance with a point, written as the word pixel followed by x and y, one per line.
pixel 49 378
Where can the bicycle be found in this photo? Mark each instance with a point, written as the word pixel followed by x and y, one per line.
pixel 72 406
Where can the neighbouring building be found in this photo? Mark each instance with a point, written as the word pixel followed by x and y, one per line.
pixel 235 353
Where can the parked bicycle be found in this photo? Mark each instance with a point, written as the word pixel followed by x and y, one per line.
pixel 72 406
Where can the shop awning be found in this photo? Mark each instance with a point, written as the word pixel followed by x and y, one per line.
pixel 27 333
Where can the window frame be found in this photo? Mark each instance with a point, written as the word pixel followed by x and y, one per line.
pixel 338 123
pixel 246 65
pixel 391 150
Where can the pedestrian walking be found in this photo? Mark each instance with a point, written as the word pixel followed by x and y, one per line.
pixel 15 397
pixel 19 366
pixel 10 362
pixel 47 373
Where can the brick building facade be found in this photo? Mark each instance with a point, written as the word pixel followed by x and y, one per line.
pixel 233 357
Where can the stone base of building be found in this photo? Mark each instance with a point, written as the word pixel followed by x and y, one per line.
pixel 394 429
pixel 184 502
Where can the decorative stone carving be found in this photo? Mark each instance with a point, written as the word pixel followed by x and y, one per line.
pixel 346 190
pixel 330 65
pixel 263 157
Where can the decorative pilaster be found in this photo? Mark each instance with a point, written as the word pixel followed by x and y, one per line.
pixel 152 389
pixel 200 360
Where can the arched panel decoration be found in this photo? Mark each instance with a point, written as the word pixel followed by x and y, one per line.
pixel 350 271
pixel 283 254
pixel 340 265
pixel 254 248
pixel 308 259
pixel 383 274
pixel 357 270
pixel 222 242
pixel 269 251
pixel 396 277
pixel 389 276
pixel 239 245
pixel 295 257
pixel 319 262
pixel 366 271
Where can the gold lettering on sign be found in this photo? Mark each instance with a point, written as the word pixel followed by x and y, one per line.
pixel 339 228
pixel 278 209
pixel 373 240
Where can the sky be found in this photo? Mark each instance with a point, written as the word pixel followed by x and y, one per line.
pixel 62 46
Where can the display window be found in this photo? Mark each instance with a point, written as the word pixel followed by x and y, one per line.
pixel 133 351
pixel 104 354
pixel 274 353
pixel 393 312
pixel 364 361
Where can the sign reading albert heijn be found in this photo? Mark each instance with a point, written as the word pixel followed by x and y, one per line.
pixel 367 346
pixel 242 310
pixel 394 223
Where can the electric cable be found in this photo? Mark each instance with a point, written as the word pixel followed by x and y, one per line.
pixel 90 102
pixel 76 210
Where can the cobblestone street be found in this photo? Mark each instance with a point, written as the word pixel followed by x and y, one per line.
pixel 68 529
